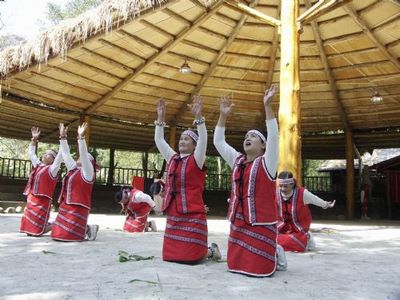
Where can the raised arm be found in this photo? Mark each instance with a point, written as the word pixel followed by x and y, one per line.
pixel 55 166
pixel 310 198
pixel 227 152
pixel 64 148
pixel 32 147
pixel 166 151
pixel 271 154
pixel 201 147
pixel 87 165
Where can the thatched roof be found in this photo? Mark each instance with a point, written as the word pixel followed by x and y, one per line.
pixel 113 64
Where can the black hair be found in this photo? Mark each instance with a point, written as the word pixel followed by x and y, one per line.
pixel 118 195
pixel 286 175
pixel 156 187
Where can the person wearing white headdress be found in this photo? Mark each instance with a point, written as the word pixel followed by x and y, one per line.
pixel 185 238
pixel 252 246
pixel 295 215
pixel 40 188
pixel 76 192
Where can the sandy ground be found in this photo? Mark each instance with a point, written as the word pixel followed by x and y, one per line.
pixel 352 261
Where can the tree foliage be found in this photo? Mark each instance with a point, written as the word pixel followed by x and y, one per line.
pixel 56 13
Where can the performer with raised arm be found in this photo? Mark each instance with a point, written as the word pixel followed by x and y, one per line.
pixel 252 246
pixel 76 192
pixel 137 206
pixel 185 238
pixel 295 215
pixel 40 189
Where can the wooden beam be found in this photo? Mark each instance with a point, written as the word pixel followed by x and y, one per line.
pixel 107 60
pixel 184 33
pixel 93 68
pixel 212 33
pixel 155 28
pixel 178 17
pixel 328 73
pixel 289 108
pixel 122 50
pixel 211 69
pixel 138 40
pixel 252 12
pixel 349 175
pixel 200 46
pixel 322 7
pixel 371 35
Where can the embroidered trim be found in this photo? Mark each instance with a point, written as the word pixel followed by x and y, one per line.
pixel 252 189
pixel 297 241
pixel 189 220
pixel 65 218
pixel 187 228
pixel 185 239
pixel 183 190
pixel 62 226
pixel 254 235
pixel 252 249
pixel 60 209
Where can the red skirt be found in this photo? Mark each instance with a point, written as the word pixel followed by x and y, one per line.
pixel 36 215
pixel 252 249
pixel 70 224
pixel 136 223
pixel 185 238
pixel 295 242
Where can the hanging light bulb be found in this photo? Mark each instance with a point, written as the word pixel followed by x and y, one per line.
pixel 376 97
pixel 185 68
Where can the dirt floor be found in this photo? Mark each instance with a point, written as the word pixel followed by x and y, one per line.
pixel 353 261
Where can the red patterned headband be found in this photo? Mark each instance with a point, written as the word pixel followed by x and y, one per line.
pixel 286 181
pixel 192 134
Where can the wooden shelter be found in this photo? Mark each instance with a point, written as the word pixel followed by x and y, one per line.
pixel 112 64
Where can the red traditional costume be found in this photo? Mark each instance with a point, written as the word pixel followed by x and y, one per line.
pixel 294 221
pixel 185 238
pixel 137 213
pixel 39 189
pixel 253 215
pixel 73 212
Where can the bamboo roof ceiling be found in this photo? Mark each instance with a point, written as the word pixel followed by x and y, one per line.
pixel 115 62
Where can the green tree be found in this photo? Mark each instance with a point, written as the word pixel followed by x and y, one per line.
pixel 56 13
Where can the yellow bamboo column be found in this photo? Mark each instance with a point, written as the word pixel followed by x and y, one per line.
pixel 289 107
pixel 349 175
pixel 172 137
pixel 86 118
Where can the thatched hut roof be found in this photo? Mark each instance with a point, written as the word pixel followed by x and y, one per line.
pixel 114 62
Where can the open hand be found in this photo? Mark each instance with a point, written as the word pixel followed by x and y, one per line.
pixel 225 105
pixel 268 95
pixel 35 133
pixel 82 129
pixel 330 204
pixel 63 130
pixel 161 109
pixel 196 107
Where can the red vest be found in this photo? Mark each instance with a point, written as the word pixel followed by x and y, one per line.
pixel 300 213
pixel 76 190
pixel 253 188
pixel 41 182
pixel 136 208
pixel 184 185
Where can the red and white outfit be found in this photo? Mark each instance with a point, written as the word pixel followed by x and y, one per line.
pixel 295 218
pixel 75 196
pixel 185 238
pixel 252 247
pixel 137 211
pixel 39 191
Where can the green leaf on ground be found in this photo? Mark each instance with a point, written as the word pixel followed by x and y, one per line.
pixel 140 280
pixel 124 256
pixel 48 252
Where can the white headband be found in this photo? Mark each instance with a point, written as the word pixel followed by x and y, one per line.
pixel 52 152
pixel 259 134
pixel 192 134
pixel 285 181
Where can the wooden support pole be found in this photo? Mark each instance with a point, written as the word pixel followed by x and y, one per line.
pixel 111 170
pixel 172 137
pixel 87 119
pixel 349 175
pixel 145 161
pixel 289 108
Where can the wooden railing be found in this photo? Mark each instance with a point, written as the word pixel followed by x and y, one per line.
pixel 20 169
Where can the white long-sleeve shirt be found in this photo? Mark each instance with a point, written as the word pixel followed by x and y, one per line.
pixel 70 163
pixel 167 152
pixel 143 197
pixel 310 198
pixel 229 154
pixel 54 167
